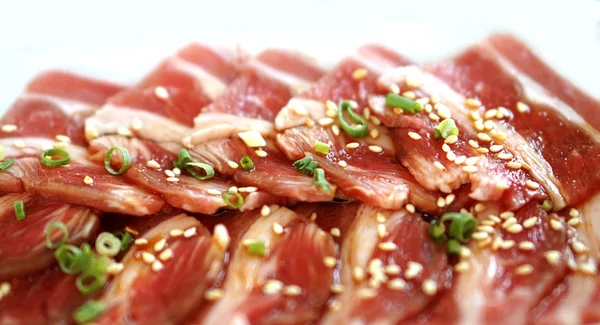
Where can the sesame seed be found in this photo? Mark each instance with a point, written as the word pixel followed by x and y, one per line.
pixel 429 287
pixel 501 185
pixel 530 222
pixel 359 74
pixel 160 245
pixel 507 244
pixel 496 243
pixel 410 208
pixel 248 189
pixel 524 269
pixel 496 148
pixel 233 189
pixel 172 179
pixel 505 156
pixel 471 161
pixel 578 247
pixel 232 164
pixel 414 135
pixel 175 232
pixel 572 265
pixel 153 164
pixel 450 198
pixel 335 129
pixel 337 288
pixel 166 255
pixel 472 103
pixel 469 169
pixel 486 228
pixel 439 165
pixel 556 225
pixel 335 232
pixel 115 268
pixel 451 139
pixel 213 191
pixel 299 110
pixel 483 137
pixel 464 252
pixel 489 125
pixel 261 153
pixel 342 163
pixel 330 105
pixel 19 144
pixel 366 113
pixel 352 145
pixel 412 81
pixel 588 268
pixel 63 138
pixel 169 173
pixel 413 270
pixel 574 222
pixel 308 122
pixel 387 246
pixel 392 269
pixel 479 125
pixel 292 290
pixel 494 219
pixel 485 242
pixel 446 148
pixel 409 95
pixel 532 185
pixel 374 133
pixel 483 150
pixel 123 131
pixel 434 99
pixel 141 241
pixel 375 120
pixel 213 294
pixel 434 117
pixel 148 258
pixel 573 213
pixel 380 217
pixel 509 222
pixel 398 111
pixel 526 245
pixel 428 108
pixel 461 266
pixel 91 133
pixel 397 284
pixel 460 160
pixel 325 121
pixel 161 93
pixel 190 232
pixel 329 261
pixel 313 216
pixel 450 156
pixel 514 165
pixel 9 128
pixel 480 235
pixel 479 207
pixel 515 229
pixel 265 211
pixel 88 180
pixel 136 124
pixel 61 145
pixel 522 108
pixel 376 149
pixel 358 274
pixel 488 223
pixel 366 293
pixel 474 115
pixel 221 235
pixel 499 136
pixel 272 287
pixel 473 144
pixel 490 114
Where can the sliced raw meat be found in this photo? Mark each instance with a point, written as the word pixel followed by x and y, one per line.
pixel 445 165
pixel 23 250
pixel 49 297
pixel 500 73
pixel 352 164
pixel 166 287
pixel 391 269
pixel 289 285
pixel 251 104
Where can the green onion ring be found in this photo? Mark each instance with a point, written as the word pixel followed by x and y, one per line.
pixel 125 238
pixel 462 225
pixel 69 258
pixel 86 287
pixel 52 152
pixel 321 147
pixel 108 244
pixel 437 231
pixel 247 163
pixel 238 202
pixel 547 205
pixel 361 130
pixel 209 172
pixel 445 129
pixel 453 246
pixel 19 210
pixel 53 226
pixel 404 103
pixel 88 312
pixel 319 179
pixel 305 165
pixel 124 165
pixel 184 159
pixel 5 164
pixel 257 247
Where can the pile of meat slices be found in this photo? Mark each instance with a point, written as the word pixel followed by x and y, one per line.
pixel 525 164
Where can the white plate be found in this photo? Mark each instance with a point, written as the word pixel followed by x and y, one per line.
pixel 121 41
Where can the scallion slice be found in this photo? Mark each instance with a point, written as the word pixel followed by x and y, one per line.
pixel 247 163
pixel 321 147
pixel 47 157
pixel 209 172
pixel 462 225
pixel 125 164
pixel 437 231
pixel 89 282
pixel 88 312
pixel 257 247
pixel 237 202
pixel 5 164
pixel 361 129
pixel 319 178
pixel 305 165
pixel 69 258
pixel 108 244
pixel 183 159
pixel 125 237
pixel 547 205
pixel 19 210
pixel 404 103
pixel 453 246
pixel 445 129
pixel 56 225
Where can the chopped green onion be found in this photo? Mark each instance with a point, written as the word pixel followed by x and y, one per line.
pixel 5 164
pixel 321 147
pixel 247 163
pixel 320 180
pixel 547 205
pixel 88 312
pixel 124 165
pixel 19 210
pixel 53 226
pixel 404 103
pixel 462 225
pixel 445 129
pixel 239 200
pixel 90 282
pixel 361 129
pixel 125 237
pixel 184 159
pixel 209 172
pixel 97 265
pixel 108 244
pixel 69 259
pixel 257 247
pixel 437 231
pixel 47 157
pixel 453 246
pixel 305 165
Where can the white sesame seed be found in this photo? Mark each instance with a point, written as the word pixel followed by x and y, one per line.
pixel 176 232
pixel 413 270
pixel 452 139
pixel 265 211
pixel 472 161
pixel 123 131
pixel 88 180
pixel 501 185
pixel 472 103
pixel 299 110
pixel 488 223
pixel 474 115
pixel 556 225
pixel 233 189
pixel 588 268
pixel 376 149
pixel 450 198
pixel 409 95
pixel 480 235
pixel 19 144
pixel 532 185
pixel 213 191
pixel 464 252
pixel 470 169
pixel 429 287
pixel 148 258
pixel 412 81
pixel 221 235
pixel 277 228
pixel 153 164
pixel 330 105
pixel 374 133
pixel 522 108
pixel 248 189
pixel 414 135
pixel 61 145
pixel 9 128
pixel 526 245
pixel 509 222
pixel 460 160
pixel 366 113
pixel 392 269
pixel 479 125
pixel 232 164
pixel 486 228
pixel 489 125
pixel 380 217
pixel 329 261
pixel 358 274
pixel 115 268
pixel 439 165
pixel 161 93
pixel 485 242
pixel 136 124
pixel 272 287
pixel 166 255
pixel 505 156
pixel 461 266
pixel 387 246
pixel 360 73
pixel 496 148
pixel 62 138
pixel 515 229
pixel 496 243
pixel 573 213
pixel 313 217
pixel 473 144
pixel 366 293
pixel 499 136
pixel 334 305
pixel 91 133
pixel 160 245
pixel 292 290
pixel 507 214
pixel 482 150
pixel 335 232
pixel 434 117
pixel 189 232
pixel 491 113
pixel 335 129
pixel 261 153
pixel 337 288
pixel 375 120
pixel 325 121
pixel 352 145
pixel 169 173
pixel 397 284
pixel 578 247
pixel 479 207
pixel 410 208
pixel 574 222
pixel 494 219
pixel 428 108
pixel 398 111
pixel 343 163
pixel 450 156
pixel 172 179
pixel 507 244
pixel 213 294
pixel 484 137
pixel 524 269
pixel 141 241
pixel 530 222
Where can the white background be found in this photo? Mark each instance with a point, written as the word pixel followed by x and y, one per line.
pixel 122 40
